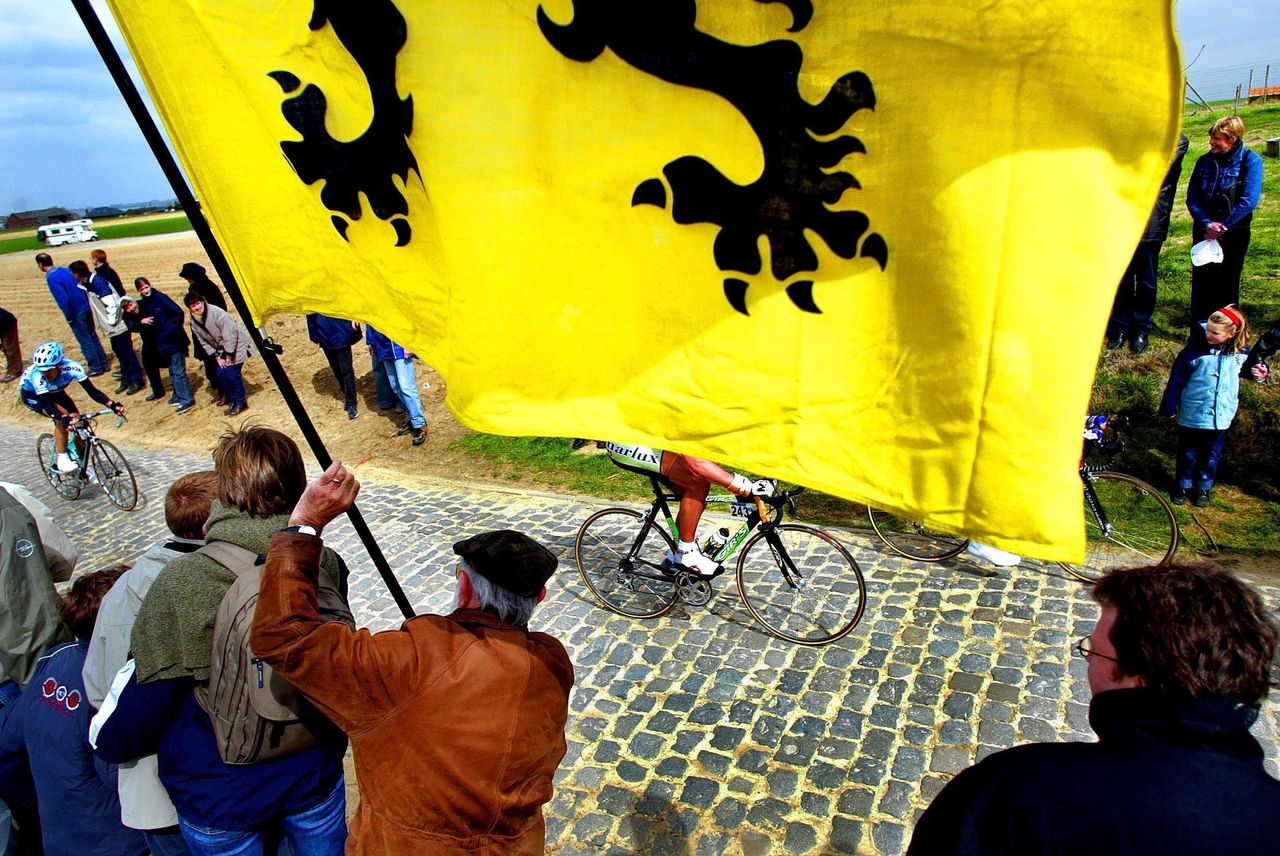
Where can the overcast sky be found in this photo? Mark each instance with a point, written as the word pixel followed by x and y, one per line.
pixel 67 139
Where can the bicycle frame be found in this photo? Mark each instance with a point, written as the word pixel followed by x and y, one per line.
pixel 753 510
pixel 81 431
pixel 1091 496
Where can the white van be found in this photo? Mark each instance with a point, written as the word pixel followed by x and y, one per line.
pixel 73 232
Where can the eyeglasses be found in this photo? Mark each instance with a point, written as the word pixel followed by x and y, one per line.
pixel 1084 647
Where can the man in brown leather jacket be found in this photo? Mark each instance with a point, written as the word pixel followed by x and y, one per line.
pixel 456 722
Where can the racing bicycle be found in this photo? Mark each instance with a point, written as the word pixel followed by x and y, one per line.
pixel 1127 521
pixel 798 582
pixel 97 461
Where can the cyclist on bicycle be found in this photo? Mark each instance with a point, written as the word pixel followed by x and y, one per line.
pixel 44 390
pixel 691 478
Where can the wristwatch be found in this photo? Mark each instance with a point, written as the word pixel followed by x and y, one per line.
pixel 302 529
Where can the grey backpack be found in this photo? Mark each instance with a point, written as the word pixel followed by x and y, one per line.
pixel 256 714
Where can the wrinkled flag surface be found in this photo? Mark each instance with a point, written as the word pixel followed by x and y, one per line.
pixel 865 247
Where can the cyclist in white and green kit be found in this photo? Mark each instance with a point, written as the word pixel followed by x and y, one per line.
pixel 691 478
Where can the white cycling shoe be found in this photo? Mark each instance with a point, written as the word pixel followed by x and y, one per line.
pixel 694 560
pixel 65 464
pixel 994 555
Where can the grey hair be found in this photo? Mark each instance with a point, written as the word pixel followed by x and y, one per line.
pixel 512 608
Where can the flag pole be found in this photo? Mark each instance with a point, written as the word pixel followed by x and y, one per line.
pixel 201 226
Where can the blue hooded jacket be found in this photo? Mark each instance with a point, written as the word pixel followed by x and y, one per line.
pixel 382 347
pixel 1204 385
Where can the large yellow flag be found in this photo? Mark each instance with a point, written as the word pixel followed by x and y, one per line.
pixel 867 247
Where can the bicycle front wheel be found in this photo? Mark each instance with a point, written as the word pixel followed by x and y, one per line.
pixel 623 566
pixel 67 485
pixel 1140 527
pixel 114 474
pixel 914 540
pixel 801 584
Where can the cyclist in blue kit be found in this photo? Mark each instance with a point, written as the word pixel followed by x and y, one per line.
pixel 691 479
pixel 44 390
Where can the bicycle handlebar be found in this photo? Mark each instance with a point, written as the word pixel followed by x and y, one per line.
pixel 84 419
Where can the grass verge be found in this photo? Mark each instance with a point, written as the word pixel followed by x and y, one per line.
pixel 106 231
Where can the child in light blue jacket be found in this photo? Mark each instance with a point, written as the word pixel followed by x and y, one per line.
pixel 1204 390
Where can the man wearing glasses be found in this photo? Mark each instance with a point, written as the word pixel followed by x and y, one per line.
pixel 1179 663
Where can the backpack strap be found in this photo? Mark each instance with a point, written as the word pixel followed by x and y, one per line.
pixel 234 558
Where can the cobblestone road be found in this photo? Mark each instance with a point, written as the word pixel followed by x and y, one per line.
pixel 696 733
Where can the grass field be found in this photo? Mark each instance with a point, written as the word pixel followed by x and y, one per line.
pixel 132 228
pixel 1245 514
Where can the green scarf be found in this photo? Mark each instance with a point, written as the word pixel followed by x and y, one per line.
pixel 173 636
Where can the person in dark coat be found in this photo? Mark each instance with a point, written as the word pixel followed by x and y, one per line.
pixel 199 282
pixel 167 326
pixel 1136 297
pixel 11 347
pixel 335 336
pixel 1179 664
pixel 106 271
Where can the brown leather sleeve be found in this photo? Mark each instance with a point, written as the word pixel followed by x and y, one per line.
pixel 354 677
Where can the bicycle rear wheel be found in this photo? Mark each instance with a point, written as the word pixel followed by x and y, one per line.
pixel 914 540
pixel 1141 527
pixel 114 474
pixel 801 584
pixel 68 485
pixel 623 570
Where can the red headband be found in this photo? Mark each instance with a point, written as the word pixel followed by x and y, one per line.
pixel 1233 315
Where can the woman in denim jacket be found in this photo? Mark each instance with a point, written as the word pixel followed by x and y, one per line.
pixel 1225 187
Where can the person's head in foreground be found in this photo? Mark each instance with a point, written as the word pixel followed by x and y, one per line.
pixel 78 608
pixel 187 504
pixel 1229 327
pixel 1182 631
pixel 503 572
pixel 1179 662
pixel 260 471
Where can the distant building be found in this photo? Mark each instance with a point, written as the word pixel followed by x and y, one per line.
pixel 143 209
pixel 104 212
pixel 1258 93
pixel 40 217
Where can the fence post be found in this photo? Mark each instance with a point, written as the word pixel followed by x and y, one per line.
pixel 1249 92
pixel 1266 82
pixel 1235 105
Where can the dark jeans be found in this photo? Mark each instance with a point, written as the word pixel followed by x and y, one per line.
pixel 151 365
pixel 232 383
pixel 1216 285
pixel 1136 296
pixel 211 371
pixel 130 370
pixel 12 351
pixel 387 398
pixel 95 359
pixel 1199 453
pixel 340 364
pixel 166 842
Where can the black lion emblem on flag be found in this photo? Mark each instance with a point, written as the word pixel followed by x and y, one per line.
pixel 660 38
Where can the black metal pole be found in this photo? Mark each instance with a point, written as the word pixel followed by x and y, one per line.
pixel 189 204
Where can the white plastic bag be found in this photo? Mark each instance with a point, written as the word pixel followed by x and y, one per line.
pixel 1206 252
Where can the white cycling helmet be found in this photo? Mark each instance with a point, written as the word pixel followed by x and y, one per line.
pixel 47 356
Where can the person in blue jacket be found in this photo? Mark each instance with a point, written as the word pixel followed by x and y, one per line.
pixel 74 303
pixel 1225 187
pixel 1204 391
pixel 47 730
pixel 403 379
pixel 109 313
pixel 165 323
pixel 335 336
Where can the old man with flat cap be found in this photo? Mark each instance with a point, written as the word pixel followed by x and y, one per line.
pixel 456 721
